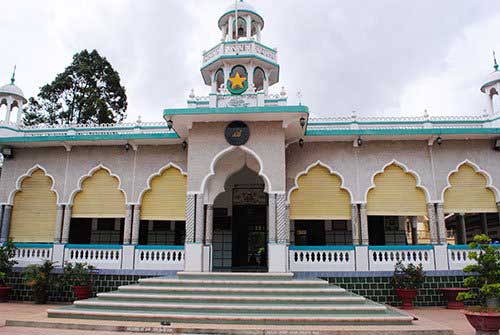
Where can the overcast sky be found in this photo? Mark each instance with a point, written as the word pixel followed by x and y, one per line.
pixel 383 57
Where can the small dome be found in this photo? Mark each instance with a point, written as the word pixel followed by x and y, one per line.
pixel 492 79
pixel 12 89
pixel 244 7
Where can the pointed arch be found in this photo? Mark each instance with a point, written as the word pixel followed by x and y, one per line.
pixel 165 196
pixel 469 189
pixel 99 195
pixel 319 194
pixel 28 173
pixel 34 207
pixel 222 153
pixel 396 190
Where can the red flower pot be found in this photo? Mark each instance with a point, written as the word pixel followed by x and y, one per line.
pixel 484 322
pixel 82 292
pixel 407 295
pixel 4 293
pixel 450 293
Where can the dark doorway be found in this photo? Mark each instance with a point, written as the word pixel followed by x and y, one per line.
pixel 250 238
pixel 376 230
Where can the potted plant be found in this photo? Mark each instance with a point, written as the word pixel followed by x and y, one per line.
pixel 7 253
pixel 37 277
pixel 406 281
pixel 484 283
pixel 79 277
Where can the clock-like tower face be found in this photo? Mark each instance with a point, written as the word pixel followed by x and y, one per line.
pixel 238 80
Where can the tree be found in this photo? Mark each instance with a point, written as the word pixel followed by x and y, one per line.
pixel 88 91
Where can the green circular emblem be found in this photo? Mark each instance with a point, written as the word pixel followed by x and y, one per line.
pixel 238 80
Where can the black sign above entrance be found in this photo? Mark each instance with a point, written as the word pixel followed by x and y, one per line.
pixel 237 133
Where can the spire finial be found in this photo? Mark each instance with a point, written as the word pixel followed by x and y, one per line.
pixel 495 61
pixel 13 78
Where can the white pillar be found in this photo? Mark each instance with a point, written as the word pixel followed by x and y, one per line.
pixel 282 222
pixel 363 220
pixel 489 104
pixel 19 118
pixel 209 225
pixel 414 230
pixel 6 216
pixel 66 224
pixel 9 109
pixel 266 83
pixel 441 224
pixel 431 214
pixel 59 223
pixel 136 224
pixel 251 69
pixel 355 224
pixel 128 224
pixel 259 29
pixel 249 26
pixel 230 22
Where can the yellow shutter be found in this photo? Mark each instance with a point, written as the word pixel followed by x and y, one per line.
pixel 99 197
pixel 468 193
pixel 319 197
pixel 34 210
pixel 396 193
pixel 166 200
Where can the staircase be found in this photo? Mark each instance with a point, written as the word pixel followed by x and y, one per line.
pixel 234 298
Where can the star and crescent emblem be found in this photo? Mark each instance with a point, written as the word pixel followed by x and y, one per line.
pixel 237 81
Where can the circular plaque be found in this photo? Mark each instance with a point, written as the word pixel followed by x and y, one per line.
pixel 237 133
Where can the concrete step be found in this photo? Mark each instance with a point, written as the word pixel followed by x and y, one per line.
pixel 232 298
pixel 232 290
pixel 230 308
pixel 244 318
pixel 247 276
pixel 232 282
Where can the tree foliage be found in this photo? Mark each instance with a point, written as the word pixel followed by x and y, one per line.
pixel 88 91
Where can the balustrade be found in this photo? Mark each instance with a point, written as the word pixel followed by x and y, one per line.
pixel 28 253
pixel 322 258
pixel 100 256
pixel 384 258
pixel 150 257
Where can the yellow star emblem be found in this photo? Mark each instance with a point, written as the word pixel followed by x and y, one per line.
pixel 237 81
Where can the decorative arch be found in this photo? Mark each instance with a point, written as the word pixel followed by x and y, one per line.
pixel 469 189
pixel 99 195
pixel 399 192
pixel 319 193
pixel 28 173
pixel 34 208
pixel 222 153
pixel 165 196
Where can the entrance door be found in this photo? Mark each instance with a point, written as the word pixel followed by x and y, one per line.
pixel 249 238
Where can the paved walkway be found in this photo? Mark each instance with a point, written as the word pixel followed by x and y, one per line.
pixel 24 311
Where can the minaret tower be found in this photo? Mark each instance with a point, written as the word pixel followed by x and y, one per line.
pixel 491 87
pixel 240 68
pixel 12 96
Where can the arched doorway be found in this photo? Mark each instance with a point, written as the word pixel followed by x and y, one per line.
pixel 237 195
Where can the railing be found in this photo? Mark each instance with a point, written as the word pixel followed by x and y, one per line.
pixel 101 256
pixel 322 258
pixel 32 253
pixel 384 258
pixel 239 48
pixel 151 257
pixel 458 256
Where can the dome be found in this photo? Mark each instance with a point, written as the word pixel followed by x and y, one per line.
pixel 12 89
pixel 243 7
pixel 492 79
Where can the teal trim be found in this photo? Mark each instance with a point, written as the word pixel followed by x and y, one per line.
pixel 34 245
pixel 240 56
pixel 56 138
pixel 217 72
pixel 44 130
pixel 93 246
pixel 399 131
pixel 401 247
pixel 160 247
pixel 236 110
pixel 489 83
pixel 466 247
pixel 321 247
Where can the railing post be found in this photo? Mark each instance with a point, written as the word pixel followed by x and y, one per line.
pixel 441 257
pixel 58 254
pixel 128 257
pixel 362 258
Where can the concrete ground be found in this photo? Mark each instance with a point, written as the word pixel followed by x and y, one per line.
pixel 23 311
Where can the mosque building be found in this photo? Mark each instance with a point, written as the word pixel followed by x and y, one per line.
pixel 241 181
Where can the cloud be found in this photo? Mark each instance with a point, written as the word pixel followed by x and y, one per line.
pixel 382 57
